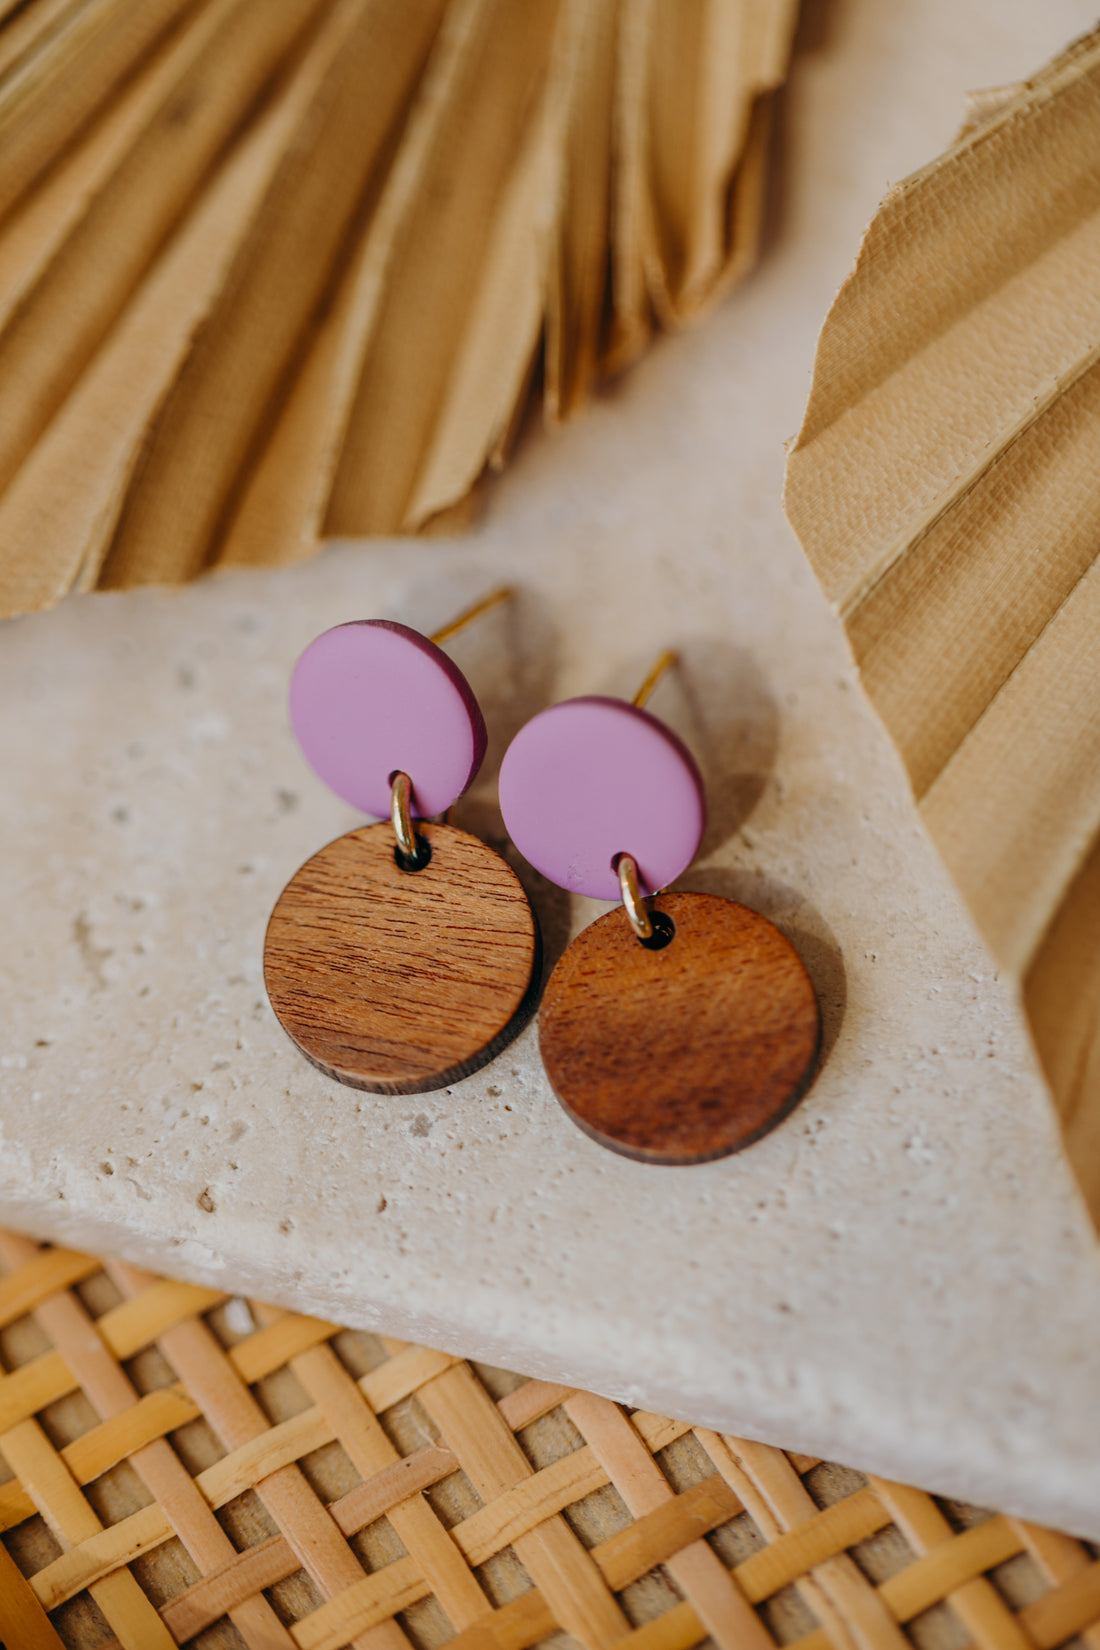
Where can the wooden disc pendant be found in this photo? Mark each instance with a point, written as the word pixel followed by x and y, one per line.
pixel 402 981
pixel 685 1053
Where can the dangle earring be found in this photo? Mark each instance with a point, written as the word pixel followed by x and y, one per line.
pixel 680 1027
pixel 403 955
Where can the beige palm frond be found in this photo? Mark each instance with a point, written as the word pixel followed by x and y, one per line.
pixel 945 487
pixel 275 272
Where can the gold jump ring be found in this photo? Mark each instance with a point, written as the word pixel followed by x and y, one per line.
pixel 633 902
pixel 401 814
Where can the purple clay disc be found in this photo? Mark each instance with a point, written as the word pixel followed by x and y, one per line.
pixel 372 698
pixel 592 778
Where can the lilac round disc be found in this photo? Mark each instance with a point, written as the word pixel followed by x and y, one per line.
pixel 592 778
pixel 372 698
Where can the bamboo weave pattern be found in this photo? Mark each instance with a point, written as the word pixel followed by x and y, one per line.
pixel 189 1468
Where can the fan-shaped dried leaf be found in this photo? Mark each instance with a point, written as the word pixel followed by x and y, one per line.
pixel 64 501
pixel 438 260
pixel 217 407
pixel 198 102
pixel 944 487
pixel 59 64
pixel 470 191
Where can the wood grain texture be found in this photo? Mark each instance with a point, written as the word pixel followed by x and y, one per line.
pixel 687 1053
pixel 396 981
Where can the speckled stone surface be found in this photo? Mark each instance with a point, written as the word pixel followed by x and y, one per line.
pixel 902 1276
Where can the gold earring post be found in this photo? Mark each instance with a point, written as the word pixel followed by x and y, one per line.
pixel 666 661
pixel 626 866
pixel 401 785
pixel 485 605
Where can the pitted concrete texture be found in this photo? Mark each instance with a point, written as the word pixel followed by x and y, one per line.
pixel 902 1276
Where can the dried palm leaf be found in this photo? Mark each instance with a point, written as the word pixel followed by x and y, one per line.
pixel 59 512
pixel 944 487
pixel 60 62
pixel 238 358
pixel 282 271
pixel 196 101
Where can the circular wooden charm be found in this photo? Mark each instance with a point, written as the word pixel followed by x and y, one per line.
pixel 402 981
pixel 685 1053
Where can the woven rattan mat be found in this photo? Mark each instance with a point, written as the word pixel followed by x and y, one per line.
pixel 190 1468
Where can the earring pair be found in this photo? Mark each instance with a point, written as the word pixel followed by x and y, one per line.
pixel 677 1028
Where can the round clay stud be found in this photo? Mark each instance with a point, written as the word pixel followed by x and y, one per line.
pixel 371 699
pixel 590 779
pixel 402 981
pixel 686 1053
